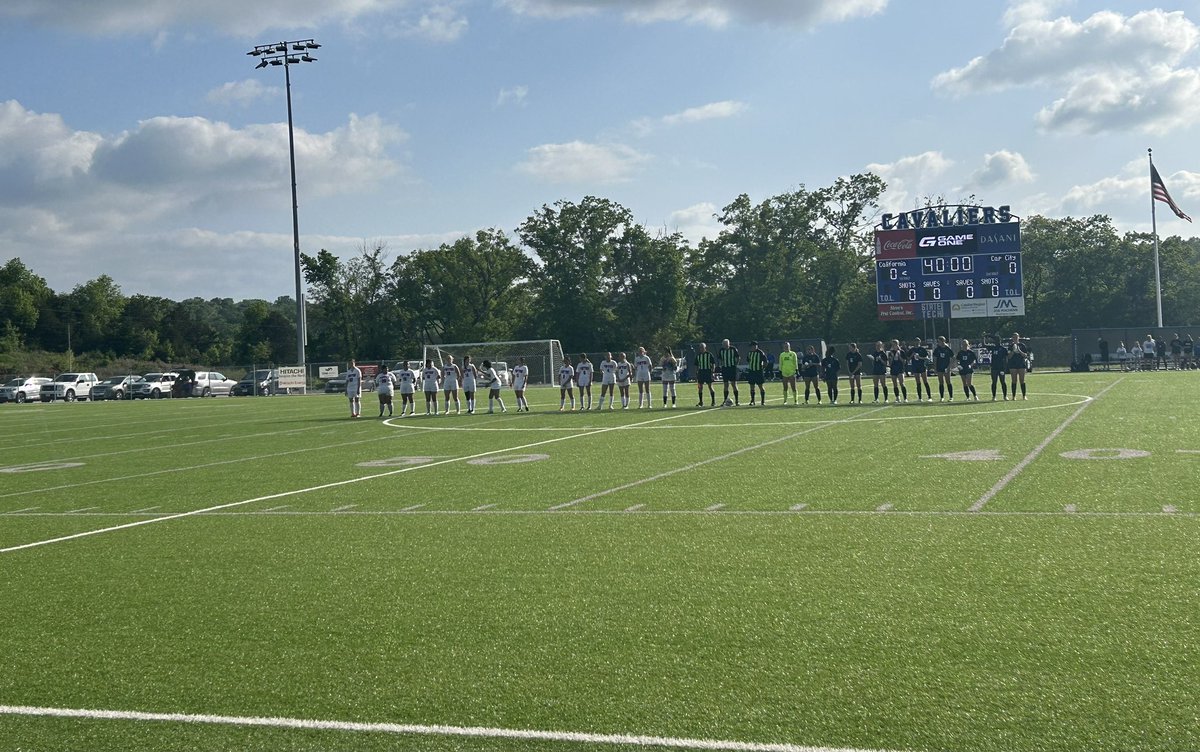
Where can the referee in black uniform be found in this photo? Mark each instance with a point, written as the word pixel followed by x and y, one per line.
pixel 727 357
pixel 756 359
pixel 704 362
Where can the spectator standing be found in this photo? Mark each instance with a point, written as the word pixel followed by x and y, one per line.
pixel 1102 346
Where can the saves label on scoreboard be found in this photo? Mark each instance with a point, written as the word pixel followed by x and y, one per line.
pixel 949 270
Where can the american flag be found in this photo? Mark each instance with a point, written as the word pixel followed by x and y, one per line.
pixel 1159 190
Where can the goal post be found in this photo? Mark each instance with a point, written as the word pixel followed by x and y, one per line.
pixel 543 356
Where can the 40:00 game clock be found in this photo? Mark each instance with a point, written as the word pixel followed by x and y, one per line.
pixel 949 262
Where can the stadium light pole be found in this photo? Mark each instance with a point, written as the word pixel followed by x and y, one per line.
pixel 288 54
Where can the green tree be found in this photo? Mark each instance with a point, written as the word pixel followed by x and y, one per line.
pixel 23 294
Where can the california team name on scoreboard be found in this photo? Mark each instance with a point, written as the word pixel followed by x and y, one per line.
pixel 946 216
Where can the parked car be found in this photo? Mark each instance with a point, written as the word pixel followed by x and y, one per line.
pixel 201 384
pixel 69 387
pixel 155 385
pixel 261 382
pixel 116 388
pixel 503 372
pixel 23 389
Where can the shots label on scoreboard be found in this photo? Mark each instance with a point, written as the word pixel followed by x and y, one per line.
pixel 955 271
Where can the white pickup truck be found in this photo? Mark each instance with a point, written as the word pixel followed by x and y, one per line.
pixel 69 387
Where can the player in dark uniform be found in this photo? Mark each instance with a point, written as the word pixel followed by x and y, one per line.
pixel 728 359
pixel 920 368
pixel 1018 364
pixel 967 358
pixel 830 367
pixel 879 366
pixel 810 367
pixel 854 367
pixel 1189 348
pixel 897 357
pixel 704 363
pixel 756 373
pixel 999 355
pixel 943 356
pixel 1176 351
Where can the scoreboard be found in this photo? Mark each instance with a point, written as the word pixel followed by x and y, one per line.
pixel 956 271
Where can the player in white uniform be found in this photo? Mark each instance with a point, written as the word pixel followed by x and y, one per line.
pixel 583 377
pixel 450 376
pixel 624 374
pixel 429 385
pixel 520 376
pixel 641 367
pixel 493 381
pixel 670 374
pixel 566 375
pixel 406 379
pixel 608 380
pixel 469 374
pixel 385 383
pixel 354 389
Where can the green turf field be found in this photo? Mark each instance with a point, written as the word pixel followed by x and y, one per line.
pixel 968 577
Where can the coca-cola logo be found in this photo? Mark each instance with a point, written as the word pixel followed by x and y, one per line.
pixel 898 245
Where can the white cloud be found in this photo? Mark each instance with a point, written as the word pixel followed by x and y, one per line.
pixel 580 162
pixel 696 222
pixel 715 13
pixel 515 95
pixel 1115 194
pixel 441 23
pixel 712 111
pixel 910 179
pixel 1120 72
pixel 242 93
pixel 1002 167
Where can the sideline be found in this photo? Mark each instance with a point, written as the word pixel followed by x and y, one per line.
pixel 411 729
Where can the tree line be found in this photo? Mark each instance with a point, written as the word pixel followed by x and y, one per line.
pixel 586 273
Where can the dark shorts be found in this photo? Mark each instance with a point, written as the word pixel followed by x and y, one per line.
pixel 896 370
pixel 998 373
pixel 729 374
pixel 704 376
pixel 810 374
pixel 942 370
pixel 920 368
pixel 965 370
pixel 755 377
pixel 385 399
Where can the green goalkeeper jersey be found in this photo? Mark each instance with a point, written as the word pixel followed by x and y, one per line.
pixel 787 363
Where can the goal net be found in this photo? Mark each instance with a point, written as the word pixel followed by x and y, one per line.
pixel 543 356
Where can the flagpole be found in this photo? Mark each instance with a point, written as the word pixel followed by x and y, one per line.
pixel 1154 225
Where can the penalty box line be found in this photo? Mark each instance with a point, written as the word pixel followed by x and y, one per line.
pixel 324 486
pixel 1001 484
pixel 710 460
pixel 410 729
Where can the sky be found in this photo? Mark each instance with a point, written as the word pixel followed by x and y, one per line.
pixel 138 140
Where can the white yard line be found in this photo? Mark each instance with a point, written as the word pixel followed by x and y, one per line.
pixel 727 512
pixel 701 463
pixel 799 507
pixel 81 509
pixel 413 508
pixel 26 509
pixel 715 508
pixel 1001 484
pixel 346 508
pixel 143 510
pixel 411 729
pixel 311 489
pixel 278 508
pixel 483 508
pixel 636 507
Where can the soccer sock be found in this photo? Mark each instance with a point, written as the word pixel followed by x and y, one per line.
pixel 817 389
pixel 941 389
pixel 950 389
pixel 904 391
pixel 1022 388
pixel 735 394
pixel 1004 386
pixel 501 401
pixel 807 391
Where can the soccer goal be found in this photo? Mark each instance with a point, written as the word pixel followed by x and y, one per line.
pixel 543 356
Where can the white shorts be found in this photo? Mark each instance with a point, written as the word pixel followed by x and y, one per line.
pixel 585 381
pixel 406 389
pixel 430 386
pixel 450 385
pixel 468 385
pixel 643 376
pixel 608 380
pixel 623 382
pixel 518 385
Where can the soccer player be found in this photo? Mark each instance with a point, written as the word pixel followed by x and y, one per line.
pixel 429 385
pixel 810 364
pixel 1189 348
pixel 920 368
pixel 967 358
pixel 520 379
pixel 704 362
pixel 583 377
pixel 999 367
pixel 1176 350
pixel 897 356
pixel 830 366
pixel 728 357
pixel 354 389
pixel 943 356
pixel 469 374
pixel 1148 354
pixel 756 361
pixel 407 381
pixel 450 377
pixel 879 369
pixel 566 376
pixel 493 381
pixel 789 366
pixel 624 374
pixel 1018 364
pixel 1135 357
pixel 670 374
pixel 608 380
pixel 384 386
pixel 854 366
pixel 641 366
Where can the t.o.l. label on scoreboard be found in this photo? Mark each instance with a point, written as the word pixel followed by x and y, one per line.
pixel 949 262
